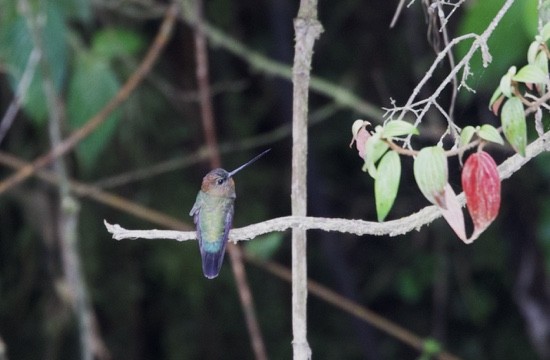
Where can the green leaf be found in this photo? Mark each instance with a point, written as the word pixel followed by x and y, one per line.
pixel 386 183
pixel 530 17
pixel 18 44
pixel 496 96
pixel 513 124
pixel 9 10
pixel 541 61
pixel 530 74
pixel 396 128
pixel 532 52
pixel 111 43
pixel 507 44
pixel 546 32
pixel 432 347
pixel 489 133
pixel 466 135
pixel 506 82
pixel 376 147
pixel 431 174
pixel 265 246
pixel 410 285
pixel 92 85
pixel 78 9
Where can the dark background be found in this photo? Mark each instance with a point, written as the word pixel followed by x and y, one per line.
pixel 150 298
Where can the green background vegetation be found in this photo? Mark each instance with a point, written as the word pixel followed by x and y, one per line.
pixel 150 297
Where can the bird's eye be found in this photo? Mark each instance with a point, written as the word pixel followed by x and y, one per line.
pixel 220 181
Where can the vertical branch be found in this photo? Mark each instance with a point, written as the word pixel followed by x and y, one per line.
pixel 307 30
pixel 454 81
pixel 203 84
pixel 209 127
pixel 91 344
pixel 3 350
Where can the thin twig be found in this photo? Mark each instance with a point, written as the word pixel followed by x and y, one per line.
pixel 201 154
pixel 351 307
pixel 397 13
pixel 358 227
pixel 203 84
pixel 3 350
pixel 114 201
pixel 410 105
pixel 20 93
pixel 479 44
pixel 454 80
pixel 209 129
pixel 78 135
pixel 258 61
pixel 341 95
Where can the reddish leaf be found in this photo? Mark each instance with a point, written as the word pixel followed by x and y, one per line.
pixel 481 184
pixel 360 136
pixel 453 214
pixel 361 141
pixel 496 105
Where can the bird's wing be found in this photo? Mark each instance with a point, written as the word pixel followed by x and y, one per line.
pixel 197 207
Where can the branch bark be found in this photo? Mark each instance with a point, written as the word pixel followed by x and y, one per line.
pixel 358 227
pixel 20 93
pixel 307 30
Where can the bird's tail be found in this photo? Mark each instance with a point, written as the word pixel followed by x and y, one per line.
pixel 212 262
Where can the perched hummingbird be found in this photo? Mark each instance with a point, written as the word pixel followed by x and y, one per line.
pixel 213 216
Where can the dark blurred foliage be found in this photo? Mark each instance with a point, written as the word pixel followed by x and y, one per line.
pixel 150 297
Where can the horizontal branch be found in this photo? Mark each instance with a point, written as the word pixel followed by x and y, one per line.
pixel 358 227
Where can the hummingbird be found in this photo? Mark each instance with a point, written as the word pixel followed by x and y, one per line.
pixel 213 216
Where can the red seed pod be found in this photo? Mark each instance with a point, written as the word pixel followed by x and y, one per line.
pixel 481 184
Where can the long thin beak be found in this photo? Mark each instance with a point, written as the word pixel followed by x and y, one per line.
pixel 248 163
